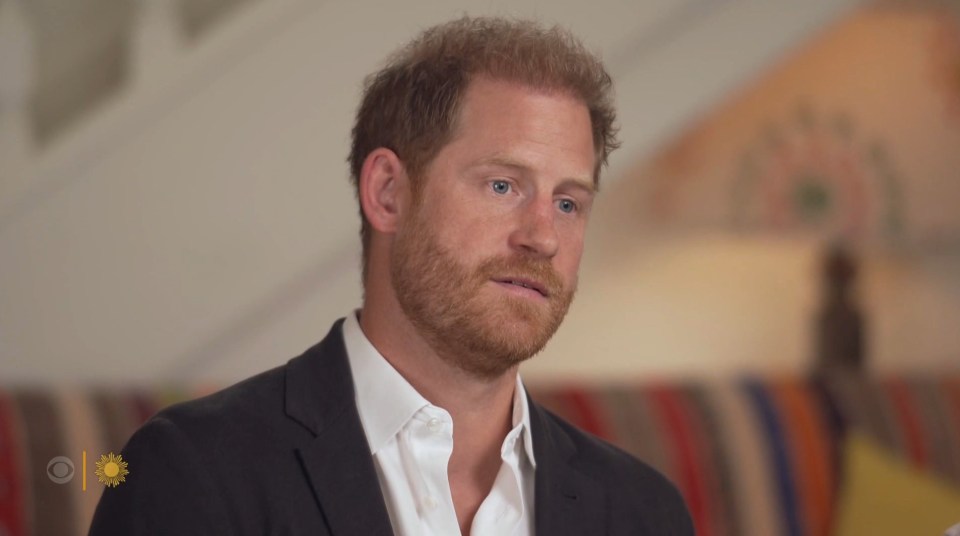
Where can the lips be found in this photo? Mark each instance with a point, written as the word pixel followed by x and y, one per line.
pixel 531 284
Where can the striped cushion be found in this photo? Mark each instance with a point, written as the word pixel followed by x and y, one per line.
pixel 762 457
pixel 752 457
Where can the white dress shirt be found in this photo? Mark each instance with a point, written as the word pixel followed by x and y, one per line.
pixel 411 441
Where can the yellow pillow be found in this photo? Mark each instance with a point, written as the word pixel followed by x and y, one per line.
pixel 884 496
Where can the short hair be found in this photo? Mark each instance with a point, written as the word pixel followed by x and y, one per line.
pixel 411 106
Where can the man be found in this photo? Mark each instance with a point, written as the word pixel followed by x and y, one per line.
pixel 476 156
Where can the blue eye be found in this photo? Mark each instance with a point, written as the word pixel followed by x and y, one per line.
pixel 567 206
pixel 501 187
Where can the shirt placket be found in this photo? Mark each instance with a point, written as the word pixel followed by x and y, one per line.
pixel 431 430
pixel 502 510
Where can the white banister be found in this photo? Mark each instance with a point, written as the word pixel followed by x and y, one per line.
pixel 16 84
pixel 157 39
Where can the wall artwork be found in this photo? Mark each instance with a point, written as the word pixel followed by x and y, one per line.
pixel 854 137
pixel 815 173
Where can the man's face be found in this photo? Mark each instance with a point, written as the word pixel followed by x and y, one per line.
pixel 485 262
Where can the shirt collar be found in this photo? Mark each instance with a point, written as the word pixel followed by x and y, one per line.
pixel 521 417
pixel 386 401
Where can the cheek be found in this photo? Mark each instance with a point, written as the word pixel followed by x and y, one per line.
pixel 476 234
pixel 466 240
pixel 571 264
pixel 570 254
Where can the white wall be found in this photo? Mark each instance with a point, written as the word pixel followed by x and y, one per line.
pixel 722 306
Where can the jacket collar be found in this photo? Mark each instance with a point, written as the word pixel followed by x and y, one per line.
pixel 386 401
pixel 566 500
pixel 320 396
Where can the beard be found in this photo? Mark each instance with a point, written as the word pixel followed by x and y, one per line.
pixel 484 333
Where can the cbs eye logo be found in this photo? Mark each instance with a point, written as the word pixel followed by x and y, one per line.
pixel 111 470
pixel 60 470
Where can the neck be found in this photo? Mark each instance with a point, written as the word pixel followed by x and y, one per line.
pixel 481 407
pixel 464 395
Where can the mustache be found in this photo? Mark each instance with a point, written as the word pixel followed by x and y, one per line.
pixel 539 270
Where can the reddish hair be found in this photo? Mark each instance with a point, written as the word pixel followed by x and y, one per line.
pixel 411 106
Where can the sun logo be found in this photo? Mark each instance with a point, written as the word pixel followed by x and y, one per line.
pixel 111 469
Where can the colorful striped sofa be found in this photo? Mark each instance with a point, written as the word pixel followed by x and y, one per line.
pixel 752 457
pixel 765 458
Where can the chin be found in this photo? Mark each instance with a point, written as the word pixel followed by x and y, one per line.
pixel 501 341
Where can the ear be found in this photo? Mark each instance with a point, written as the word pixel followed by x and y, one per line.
pixel 384 189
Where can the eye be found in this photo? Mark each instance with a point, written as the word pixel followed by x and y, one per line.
pixel 567 206
pixel 500 187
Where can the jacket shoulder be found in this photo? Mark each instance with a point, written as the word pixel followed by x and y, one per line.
pixel 635 490
pixel 177 465
pixel 258 399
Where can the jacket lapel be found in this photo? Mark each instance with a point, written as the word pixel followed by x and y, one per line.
pixel 320 396
pixel 566 501
pixel 338 464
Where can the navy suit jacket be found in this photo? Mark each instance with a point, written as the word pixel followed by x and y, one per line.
pixel 284 453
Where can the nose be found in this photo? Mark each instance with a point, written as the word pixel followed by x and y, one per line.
pixel 536 232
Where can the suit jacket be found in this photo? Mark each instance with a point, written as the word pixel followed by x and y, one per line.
pixel 284 453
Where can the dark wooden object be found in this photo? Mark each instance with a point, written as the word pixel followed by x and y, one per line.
pixel 840 325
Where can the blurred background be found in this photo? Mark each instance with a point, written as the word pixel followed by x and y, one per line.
pixel 175 207
pixel 175 202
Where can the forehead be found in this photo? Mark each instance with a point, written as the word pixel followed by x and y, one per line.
pixel 509 118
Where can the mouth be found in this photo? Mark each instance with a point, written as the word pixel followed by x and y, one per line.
pixel 520 283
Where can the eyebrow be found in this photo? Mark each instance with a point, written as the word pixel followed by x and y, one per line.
pixel 586 185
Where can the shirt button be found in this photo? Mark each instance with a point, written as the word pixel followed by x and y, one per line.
pixel 434 425
pixel 430 503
